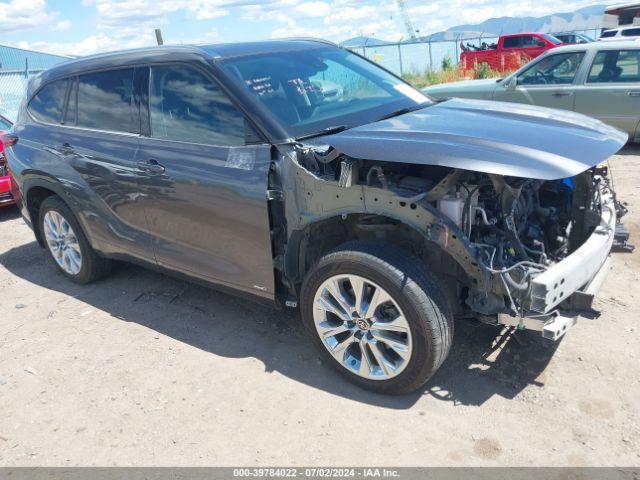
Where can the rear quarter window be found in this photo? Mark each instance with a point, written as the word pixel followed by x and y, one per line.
pixel 46 105
pixel 104 101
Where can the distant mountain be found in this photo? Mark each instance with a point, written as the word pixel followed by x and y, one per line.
pixel 360 41
pixel 586 18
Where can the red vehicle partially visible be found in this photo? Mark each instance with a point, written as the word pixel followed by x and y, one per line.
pixel 510 53
pixel 6 198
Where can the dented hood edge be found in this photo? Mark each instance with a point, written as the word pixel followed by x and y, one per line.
pixel 491 137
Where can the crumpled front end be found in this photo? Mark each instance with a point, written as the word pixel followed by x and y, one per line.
pixel 524 252
pixel 505 203
pixel 558 293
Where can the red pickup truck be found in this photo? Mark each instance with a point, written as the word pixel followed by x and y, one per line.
pixel 510 53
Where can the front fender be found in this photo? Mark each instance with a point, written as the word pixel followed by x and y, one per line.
pixel 310 200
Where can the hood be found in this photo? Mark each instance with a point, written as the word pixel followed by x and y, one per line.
pixel 464 86
pixel 491 137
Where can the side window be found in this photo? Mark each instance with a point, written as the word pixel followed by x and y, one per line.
pixel 529 41
pixel 631 32
pixel 558 69
pixel 609 34
pixel 615 66
pixel 185 105
pixel 46 105
pixel 511 42
pixel 104 101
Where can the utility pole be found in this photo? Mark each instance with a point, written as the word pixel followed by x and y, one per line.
pixel 159 36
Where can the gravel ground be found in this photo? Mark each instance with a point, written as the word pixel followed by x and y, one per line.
pixel 143 369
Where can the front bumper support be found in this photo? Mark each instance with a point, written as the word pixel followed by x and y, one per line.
pixel 557 323
pixel 558 283
pixel 566 291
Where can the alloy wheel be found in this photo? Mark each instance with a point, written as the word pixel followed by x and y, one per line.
pixel 62 242
pixel 362 327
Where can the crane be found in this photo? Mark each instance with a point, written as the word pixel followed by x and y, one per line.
pixel 407 20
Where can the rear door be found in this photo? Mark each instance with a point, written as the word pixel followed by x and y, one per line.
pixel 611 92
pixel 548 82
pixel 203 186
pixel 91 151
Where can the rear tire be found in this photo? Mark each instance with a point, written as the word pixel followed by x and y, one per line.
pixel 67 244
pixel 391 348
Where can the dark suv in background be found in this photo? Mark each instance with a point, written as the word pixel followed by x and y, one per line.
pixel 302 173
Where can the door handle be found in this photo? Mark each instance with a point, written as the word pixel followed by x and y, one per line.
pixel 151 166
pixel 634 93
pixel 562 94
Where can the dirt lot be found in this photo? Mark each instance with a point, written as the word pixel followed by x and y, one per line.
pixel 142 369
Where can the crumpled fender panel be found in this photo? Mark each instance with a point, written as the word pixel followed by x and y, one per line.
pixel 310 199
pixel 491 137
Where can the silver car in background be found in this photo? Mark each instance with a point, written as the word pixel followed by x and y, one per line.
pixel 600 79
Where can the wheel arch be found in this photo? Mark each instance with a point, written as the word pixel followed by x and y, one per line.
pixel 35 191
pixel 308 244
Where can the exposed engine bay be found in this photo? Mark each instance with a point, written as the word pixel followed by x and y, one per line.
pixel 507 230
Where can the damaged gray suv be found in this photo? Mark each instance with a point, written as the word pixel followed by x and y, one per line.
pixel 303 174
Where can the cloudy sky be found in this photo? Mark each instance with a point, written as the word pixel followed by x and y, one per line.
pixel 78 27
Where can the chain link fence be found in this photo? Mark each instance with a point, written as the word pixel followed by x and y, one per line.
pixel 16 66
pixel 427 55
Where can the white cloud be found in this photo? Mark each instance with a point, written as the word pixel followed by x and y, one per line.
pixel 62 25
pixel 313 9
pixel 258 13
pixel 103 42
pixel 209 13
pixel 88 45
pixel 352 13
pixel 427 9
pixel 148 13
pixel 25 14
pixel 338 32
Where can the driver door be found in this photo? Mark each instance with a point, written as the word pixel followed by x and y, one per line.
pixel 203 183
pixel 549 82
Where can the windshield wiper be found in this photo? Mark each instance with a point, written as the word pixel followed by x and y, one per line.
pixel 324 131
pixel 402 111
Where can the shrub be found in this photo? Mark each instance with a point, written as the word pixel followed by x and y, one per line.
pixel 447 64
pixel 429 77
pixel 483 70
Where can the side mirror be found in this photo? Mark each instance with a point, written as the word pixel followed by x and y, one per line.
pixel 511 83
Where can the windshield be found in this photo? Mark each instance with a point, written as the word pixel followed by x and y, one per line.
pixel 552 39
pixel 309 91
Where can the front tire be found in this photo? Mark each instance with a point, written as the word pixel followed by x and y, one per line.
pixel 67 245
pixel 378 316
